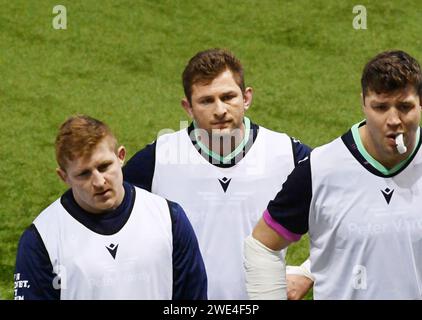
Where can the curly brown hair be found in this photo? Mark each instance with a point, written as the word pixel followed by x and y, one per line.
pixel 390 71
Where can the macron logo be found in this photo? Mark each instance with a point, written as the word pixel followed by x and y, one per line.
pixel 387 193
pixel 112 248
pixel 303 160
pixel 224 183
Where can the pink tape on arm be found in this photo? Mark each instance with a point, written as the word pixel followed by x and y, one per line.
pixel 286 234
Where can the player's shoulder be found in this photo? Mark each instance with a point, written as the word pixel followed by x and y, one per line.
pixel 332 147
pixel 166 135
pixel 175 210
pixel 272 132
pixel 48 222
pixel 29 237
pixel 145 195
pixel 50 213
pixel 146 152
pixel 271 137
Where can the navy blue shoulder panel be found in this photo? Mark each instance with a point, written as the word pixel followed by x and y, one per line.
pixel 34 275
pixel 290 207
pixel 189 276
pixel 300 150
pixel 139 170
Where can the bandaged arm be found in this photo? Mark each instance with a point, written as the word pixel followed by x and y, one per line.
pixel 303 270
pixel 264 266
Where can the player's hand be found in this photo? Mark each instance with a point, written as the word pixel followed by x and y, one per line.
pixel 297 286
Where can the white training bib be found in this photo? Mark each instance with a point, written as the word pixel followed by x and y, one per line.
pixel 134 263
pixel 222 204
pixel 365 229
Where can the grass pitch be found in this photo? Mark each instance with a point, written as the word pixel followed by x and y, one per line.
pixel 121 61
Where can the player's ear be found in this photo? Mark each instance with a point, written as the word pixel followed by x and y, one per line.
pixel 187 106
pixel 62 174
pixel 247 97
pixel 121 154
pixel 362 100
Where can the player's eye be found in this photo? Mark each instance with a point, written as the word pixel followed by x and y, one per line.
pixel 228 97
pixel 405 107
pixel 206 100
pixel 84 174
pixel 380 107
pixel 104 167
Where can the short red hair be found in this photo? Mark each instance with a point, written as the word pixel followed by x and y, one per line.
pixel 78 136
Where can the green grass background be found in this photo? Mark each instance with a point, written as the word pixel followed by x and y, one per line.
pixel 121 61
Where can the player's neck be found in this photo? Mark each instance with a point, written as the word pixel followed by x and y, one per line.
pixel 225 144
pixel 120 195
pixel 388 161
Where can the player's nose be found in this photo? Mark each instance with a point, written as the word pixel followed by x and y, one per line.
pixel 98 179
pixel 393 117
pixel 220 109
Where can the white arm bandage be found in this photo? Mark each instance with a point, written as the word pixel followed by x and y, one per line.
pixel 265 272
pixel 303 270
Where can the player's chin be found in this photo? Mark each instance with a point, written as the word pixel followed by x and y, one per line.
pixel 106 205
pixel 222 132
pixel 391 150
pixel 217 133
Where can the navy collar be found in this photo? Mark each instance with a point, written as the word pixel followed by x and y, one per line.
pixel 351 144
pixel 253 134
pixel 106 224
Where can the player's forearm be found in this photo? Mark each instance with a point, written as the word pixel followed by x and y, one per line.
pixel 264 265
pixel 265 272
pixel 299 280
pixel 303 270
